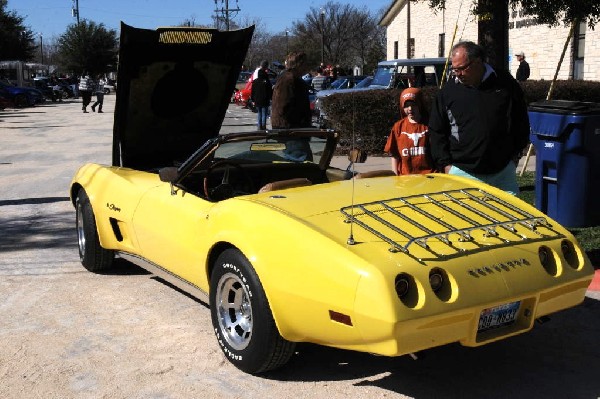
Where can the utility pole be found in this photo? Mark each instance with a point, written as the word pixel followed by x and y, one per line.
pixel 225 12
pixel 287 43
pixel 322 36
pixel 42 48
pixel 75 10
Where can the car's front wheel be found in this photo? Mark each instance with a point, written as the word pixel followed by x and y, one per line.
pixel 21 101
pixel 93 257
pixel 242 318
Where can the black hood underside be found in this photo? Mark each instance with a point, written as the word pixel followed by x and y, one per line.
pixel 175 85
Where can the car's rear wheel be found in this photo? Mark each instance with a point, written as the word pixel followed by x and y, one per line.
pixel 242 318
pixel 93 257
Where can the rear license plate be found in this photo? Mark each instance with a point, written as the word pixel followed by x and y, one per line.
pixel 498 316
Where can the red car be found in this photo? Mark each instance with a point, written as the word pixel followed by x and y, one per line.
pixel 242 96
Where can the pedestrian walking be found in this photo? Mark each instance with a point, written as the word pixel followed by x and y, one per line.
pixel 261 94
pixel 99 94
pixel 86 88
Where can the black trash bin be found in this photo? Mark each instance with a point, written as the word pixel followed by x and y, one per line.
pixel 566 137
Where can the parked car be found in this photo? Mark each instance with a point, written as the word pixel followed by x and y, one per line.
pixel 5 100
pixel 43 85
pixel 69 86
pixel 110 86
pixel 284 247
pixel 400 73
pixel 22 96
pixel 343 83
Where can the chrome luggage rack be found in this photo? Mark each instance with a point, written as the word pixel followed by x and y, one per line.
pixel 468 216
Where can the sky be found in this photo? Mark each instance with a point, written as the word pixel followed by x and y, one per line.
pixel 50 18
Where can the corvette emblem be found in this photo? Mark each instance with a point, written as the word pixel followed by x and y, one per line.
pixel 113 207
pixel 498 267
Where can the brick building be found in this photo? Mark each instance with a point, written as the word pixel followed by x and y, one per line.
pixel 431 34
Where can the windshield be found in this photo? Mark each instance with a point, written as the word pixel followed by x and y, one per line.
pixel 338 83
pixel 269 149
pixel 365 82
pixel 383 76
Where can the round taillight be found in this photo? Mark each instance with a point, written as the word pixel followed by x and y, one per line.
pixel 436 279
pixel 442 285
pixel 402 285
pixel 570 254
pixel 407 290
pixel 547 260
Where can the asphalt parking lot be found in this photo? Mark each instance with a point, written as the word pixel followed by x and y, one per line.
pixel 68 333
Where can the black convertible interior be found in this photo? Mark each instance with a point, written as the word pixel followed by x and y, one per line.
pixel 228 178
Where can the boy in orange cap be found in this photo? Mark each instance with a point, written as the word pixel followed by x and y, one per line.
pixel 408 143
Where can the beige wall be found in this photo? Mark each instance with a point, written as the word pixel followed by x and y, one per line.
pixel 542 45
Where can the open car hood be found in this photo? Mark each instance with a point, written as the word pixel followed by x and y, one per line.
pixel 175 85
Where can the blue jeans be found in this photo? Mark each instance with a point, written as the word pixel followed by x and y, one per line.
pixel 261 117
pixel 505 180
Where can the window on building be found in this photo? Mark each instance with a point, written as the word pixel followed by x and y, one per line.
pixel 411 50
pixel 442 45
pixel 396 50
pixel 579 51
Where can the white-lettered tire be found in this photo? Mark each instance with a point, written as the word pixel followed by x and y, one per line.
pixel 242 318
pixel 93 257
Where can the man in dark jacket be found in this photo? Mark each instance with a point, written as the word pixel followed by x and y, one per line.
pixel 523 69
pixel 479 123
pixel 261 94
pixel 291 106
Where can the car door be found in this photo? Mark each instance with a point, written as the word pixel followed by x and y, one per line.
pixel 171 233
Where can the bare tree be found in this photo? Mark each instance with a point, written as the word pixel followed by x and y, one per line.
pixel 340 33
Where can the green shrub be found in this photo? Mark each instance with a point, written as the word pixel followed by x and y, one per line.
pixel 365 118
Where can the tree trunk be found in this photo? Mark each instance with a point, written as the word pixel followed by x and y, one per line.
pixel 493 31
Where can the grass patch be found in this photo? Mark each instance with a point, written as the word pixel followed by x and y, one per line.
pixel 588 237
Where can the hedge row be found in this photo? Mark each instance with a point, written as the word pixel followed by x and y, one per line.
pixel 364 118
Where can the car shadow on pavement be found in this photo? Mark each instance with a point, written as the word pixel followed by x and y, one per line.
pixel 35 229
pixel 557 359
pixel 122 267
pixel 37 201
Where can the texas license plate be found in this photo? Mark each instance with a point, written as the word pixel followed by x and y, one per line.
pixel 498 316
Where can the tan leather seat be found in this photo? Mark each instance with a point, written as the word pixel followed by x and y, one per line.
pixel 283 184
pixel 374 173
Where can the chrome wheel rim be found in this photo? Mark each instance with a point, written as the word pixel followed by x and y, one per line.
pixel 234 311
pixel 80 233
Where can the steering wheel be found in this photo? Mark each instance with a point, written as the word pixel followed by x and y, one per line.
pixel 241 184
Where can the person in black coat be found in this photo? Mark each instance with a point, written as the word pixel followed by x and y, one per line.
pixel 261 94
pixel 479 123
pixel 523 70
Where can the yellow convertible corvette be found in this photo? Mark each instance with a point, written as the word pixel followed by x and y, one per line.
pixel 287 249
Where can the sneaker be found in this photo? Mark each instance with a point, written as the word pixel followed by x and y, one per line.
pixel 100 111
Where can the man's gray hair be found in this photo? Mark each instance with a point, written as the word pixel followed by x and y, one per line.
pixel 472 50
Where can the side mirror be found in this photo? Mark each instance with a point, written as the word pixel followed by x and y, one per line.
pixel 168 174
